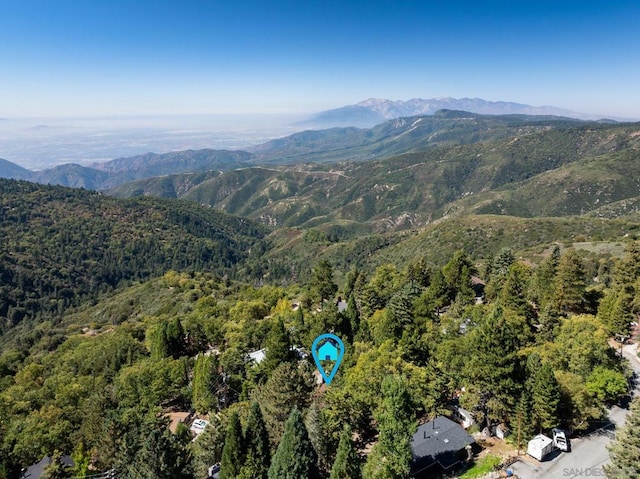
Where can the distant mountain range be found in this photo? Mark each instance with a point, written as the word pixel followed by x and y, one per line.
pixel 389 138
pixel 116 172
pixel 402 173
pixel 376 110
pixel 550 169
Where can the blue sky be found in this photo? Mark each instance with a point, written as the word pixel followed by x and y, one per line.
pixel 111 57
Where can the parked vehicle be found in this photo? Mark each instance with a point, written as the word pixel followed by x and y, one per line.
pixel 560 440
pixel 540 446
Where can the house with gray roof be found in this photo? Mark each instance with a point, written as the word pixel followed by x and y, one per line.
pixel 38 470
pixel 438 445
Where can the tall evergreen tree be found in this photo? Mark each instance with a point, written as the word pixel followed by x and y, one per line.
pixel 524 423
pixel 545 398
pixel 514 293
pixel 295 457
pixel 233 453
pixel 160 347
pixel 570 283
pixel 353 315
pixel 615 311
pixel 627 270
pixel 544 279
pixel 347 463
pixel 549 321
pixel 278 346
pixel 624 451
pixel 350 281
pixel 493 369
pixel 175 337
pixel 437 293
pixel 320 437
pixel 289 386
pixel 391 455
pixel 457 275
pixel 205 377
pixel 322 281
pixel 500 264
pixel 257 442
pixel 419 272
pixel 162 456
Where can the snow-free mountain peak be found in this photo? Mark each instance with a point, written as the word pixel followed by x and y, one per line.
pixel 376 110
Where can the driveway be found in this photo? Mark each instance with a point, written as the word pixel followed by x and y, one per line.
pixel 588 454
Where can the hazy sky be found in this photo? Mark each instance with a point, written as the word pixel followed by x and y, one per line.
pixel 110 57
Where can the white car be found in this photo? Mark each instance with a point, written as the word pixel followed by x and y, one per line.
pixel 560 440
pixel 198 426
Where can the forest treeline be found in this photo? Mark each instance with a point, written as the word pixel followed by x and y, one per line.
pixel 520 345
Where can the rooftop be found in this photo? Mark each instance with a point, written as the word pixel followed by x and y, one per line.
pixel 438 442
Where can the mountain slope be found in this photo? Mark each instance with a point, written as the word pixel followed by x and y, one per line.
pixel 393 137
pixel 75 176
pixel 61 245
pixel 410 190
pixel 11 170
pixel 122 170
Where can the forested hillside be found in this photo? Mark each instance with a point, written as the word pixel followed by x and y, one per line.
pixel 61 246
pixel 533 355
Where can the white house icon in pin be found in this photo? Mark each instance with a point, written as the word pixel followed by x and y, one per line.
pixel 328 352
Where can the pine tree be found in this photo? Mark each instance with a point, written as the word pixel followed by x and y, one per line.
pixel 419 272
pixel 288 386
pixel 627 270
pixel 347 463
pixel 353 315
pixel 205 376
pixel 545 398
pixel 233 453
pixel 160 347
pixel 278 346
pixel 320 437
pixel 162 456
pixel 499 265
pixel 175 338
pixel 322 281
pixel 295 457
pixel 257 443
pixel 391 456
pixel 615 311
pixel 523 420
pixel 514 290
pixel 549 321
pixel 543 281
pixel 457 276
pixel 350 281
pixel 570 283
pixel 624 451
pixel 299 326
pixel 438 293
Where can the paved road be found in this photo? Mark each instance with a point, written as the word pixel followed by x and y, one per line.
pixel 588 454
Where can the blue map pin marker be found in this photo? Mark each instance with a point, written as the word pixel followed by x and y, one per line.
pixel 327 347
